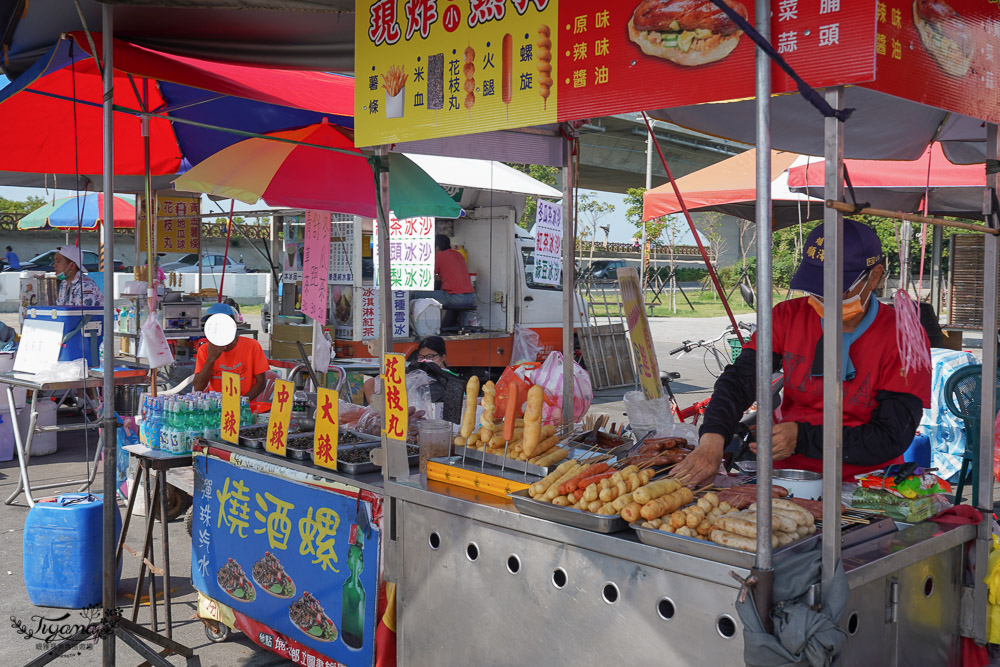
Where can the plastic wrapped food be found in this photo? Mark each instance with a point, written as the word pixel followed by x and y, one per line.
pixel 908 510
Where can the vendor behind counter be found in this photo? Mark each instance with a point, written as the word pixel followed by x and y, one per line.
pixel 225 350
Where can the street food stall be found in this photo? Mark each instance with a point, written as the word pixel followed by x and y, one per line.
pixel 895 590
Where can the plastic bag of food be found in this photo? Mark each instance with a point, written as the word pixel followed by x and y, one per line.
pixel 526 346
pixel 549 376
pixel 516 375
pixel 646 415
pixel 908 510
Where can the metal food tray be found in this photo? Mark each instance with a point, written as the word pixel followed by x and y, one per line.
pixel 364 437
pixel 367 466
pixel 599 523
pixel 515 465
pixel 299 454
pixel 258 443
pixel 709 550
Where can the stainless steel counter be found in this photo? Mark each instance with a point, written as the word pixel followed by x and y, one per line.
pixel 522 590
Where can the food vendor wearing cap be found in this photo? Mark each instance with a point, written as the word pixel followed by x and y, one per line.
pixel 227 351
pixel 76 288
pixel 882 406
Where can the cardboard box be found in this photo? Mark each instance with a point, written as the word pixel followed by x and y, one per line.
pixel 287 351
pixel 292 332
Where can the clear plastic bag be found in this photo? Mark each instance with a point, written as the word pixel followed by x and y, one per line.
pixel 526 345
pixel 153 344
pixel 549 376
pixel 646 415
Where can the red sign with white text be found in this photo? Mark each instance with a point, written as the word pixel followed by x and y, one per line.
pixel 944 53
pixel 645 54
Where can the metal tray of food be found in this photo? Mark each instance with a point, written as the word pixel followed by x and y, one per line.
pixel 356 459
pixel 569 516
pixel 300 453
pixel 348 436
pixel 709 550
pixel 256 436
pixel 514 465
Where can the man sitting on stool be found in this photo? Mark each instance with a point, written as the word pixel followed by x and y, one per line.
pixel 456 285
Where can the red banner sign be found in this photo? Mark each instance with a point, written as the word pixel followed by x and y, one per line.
pixel 633 55
pixel 943 53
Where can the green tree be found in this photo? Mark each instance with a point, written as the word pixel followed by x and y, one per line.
pixel 547 175
pixel 590 211
pixel 26 206
pixel 633 213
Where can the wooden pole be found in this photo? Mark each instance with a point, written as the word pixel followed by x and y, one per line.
pixel 912 217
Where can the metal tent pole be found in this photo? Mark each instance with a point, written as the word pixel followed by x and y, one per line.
pixel 649 186
pixel 984 500
pixel 569 276
pixel 833 343
pixel 763 570
pixel 110 594
pixel 937 237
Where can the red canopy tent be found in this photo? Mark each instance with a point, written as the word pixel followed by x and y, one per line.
pixel 901 185
pixel 730 187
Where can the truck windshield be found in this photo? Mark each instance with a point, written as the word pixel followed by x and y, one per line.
pixel 528 256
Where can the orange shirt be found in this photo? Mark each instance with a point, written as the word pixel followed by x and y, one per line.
pixel 450 266
pixel 246 360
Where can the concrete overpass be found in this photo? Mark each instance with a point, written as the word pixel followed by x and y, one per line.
pixel 613 152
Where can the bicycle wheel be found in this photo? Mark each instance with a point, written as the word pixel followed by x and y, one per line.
pixel 715 361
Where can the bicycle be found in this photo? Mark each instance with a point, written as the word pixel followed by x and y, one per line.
pixel 721 357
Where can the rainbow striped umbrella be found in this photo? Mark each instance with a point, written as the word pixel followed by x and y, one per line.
pixel 83 211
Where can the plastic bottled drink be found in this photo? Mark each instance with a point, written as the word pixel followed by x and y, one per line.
pixel 167 425
pixel 155 425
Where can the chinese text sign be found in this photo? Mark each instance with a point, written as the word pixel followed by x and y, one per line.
pixel 548 233
pixel 434 69
pixel 282 553
pixel 174 231
pixel 230 407
pixel 327 425
pixel 281 413
pixel 394 385
pixel 316 265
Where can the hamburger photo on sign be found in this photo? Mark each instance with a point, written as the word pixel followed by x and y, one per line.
pixel 686 32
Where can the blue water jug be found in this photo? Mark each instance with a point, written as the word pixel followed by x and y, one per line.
pixel 919 451
pixel 62 551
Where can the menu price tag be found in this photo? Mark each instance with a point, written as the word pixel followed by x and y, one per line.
pixel 281 414
pixel 548 233
pixel 327 426
pixel 230 426
pixel 394 386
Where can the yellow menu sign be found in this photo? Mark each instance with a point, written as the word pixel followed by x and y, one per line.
pixel 638 330
pixel 281 413
pixel 230 407
pixel 175 232
pixel 327 425
pixel 394 386
pixel 433 69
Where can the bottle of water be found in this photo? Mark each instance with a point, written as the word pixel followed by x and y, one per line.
pixel 166 425
pixel 154 422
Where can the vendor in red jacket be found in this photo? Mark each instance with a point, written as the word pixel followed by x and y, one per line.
pixel 456 284
pixel 882 407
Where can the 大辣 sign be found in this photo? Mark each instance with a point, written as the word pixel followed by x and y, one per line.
pixel 638 330
pixel 548 231
pixel 435 68
pixel 945 54
pixel 316 265
pixel 174 231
